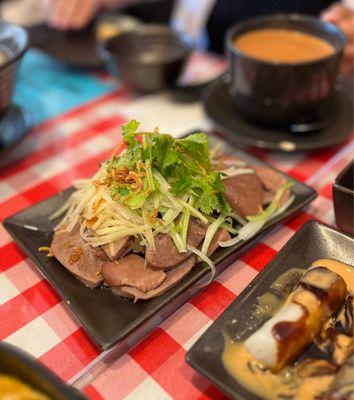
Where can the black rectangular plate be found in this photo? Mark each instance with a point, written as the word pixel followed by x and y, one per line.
pixel 312 242
pixel 105 317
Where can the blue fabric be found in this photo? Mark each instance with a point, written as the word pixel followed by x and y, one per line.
pixel 46 88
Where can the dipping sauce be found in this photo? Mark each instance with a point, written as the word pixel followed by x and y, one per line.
pixel 283 45
pixel 267 385
pixel 13 389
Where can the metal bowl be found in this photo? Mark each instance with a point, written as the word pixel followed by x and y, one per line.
pixel 16 363
pixel 13 43
pixel 149 59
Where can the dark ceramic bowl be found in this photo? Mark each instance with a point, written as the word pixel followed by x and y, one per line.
pixel 20 365
pixel 284 93
pixel 146 60
pixel 13 43
pixel 343 197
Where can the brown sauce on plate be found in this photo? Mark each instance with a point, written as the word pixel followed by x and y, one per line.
pixel 283 45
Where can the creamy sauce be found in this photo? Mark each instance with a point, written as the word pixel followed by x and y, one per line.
pixel 283 45
pixel 251 373
pixel 286 384
pixel 13 389
pixel 344 270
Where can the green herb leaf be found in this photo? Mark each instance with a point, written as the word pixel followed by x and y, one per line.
pixel 128 131
pixel 197 146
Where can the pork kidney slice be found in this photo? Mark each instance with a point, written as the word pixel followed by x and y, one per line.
pixel 131 271
pixel 173 276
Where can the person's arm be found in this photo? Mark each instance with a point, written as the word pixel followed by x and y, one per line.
pixel 343 17
pixel 76 14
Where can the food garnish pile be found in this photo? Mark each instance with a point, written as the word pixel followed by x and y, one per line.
pixel 156 208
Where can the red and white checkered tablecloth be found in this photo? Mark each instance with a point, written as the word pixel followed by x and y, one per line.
pixel 35 318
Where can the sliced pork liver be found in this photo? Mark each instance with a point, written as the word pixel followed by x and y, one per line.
pixel 131 271
pixel 77 256
pixel 119 248
pixel 271 181
pixel 166 254
pixel 173 276
pixel 244 193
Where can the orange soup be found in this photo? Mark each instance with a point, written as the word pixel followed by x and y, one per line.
pixel 283 45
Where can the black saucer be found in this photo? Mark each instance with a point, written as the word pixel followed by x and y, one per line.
pixel 74 48
pixel 229 122
pixel 15 123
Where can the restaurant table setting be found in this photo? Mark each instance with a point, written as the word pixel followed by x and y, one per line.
pixel 69 124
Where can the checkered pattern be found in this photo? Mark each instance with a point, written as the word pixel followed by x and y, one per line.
pixel 35 318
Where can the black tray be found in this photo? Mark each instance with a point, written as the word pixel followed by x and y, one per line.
pixel 312 242
pixel 105 317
